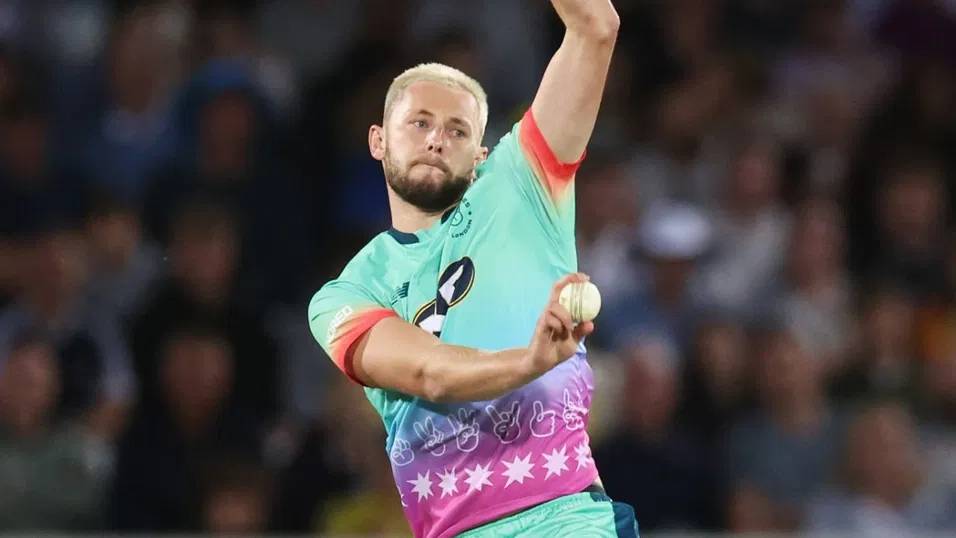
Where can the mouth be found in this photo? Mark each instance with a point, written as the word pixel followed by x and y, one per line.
pixel 438 165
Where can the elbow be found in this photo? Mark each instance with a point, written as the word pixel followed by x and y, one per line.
pixel 606 32
pixel 433 386
pixel 435 392
pixel 601 29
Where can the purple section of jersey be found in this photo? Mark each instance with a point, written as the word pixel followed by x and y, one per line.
pixel 458 466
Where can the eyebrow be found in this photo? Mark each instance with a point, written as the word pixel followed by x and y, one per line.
pixel 456 120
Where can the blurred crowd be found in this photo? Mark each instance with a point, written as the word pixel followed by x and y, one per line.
pixel 767 207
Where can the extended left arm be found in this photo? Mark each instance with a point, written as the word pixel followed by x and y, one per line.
pixel 566 105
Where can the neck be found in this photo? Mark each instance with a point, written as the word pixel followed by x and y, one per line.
pixel 408 218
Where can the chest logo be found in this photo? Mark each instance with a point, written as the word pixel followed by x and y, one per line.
pixel 461 219
pixel 453 285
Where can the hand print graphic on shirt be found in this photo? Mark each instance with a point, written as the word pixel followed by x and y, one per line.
pixel 574 411
pixel 542 422
pixel 506 425
pixel 401 453
pixel 465 429
pixel 433 438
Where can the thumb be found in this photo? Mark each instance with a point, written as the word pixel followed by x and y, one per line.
pixel 583 329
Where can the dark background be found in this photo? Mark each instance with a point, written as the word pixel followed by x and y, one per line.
pixel 766 206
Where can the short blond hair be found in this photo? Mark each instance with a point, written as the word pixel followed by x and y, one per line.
pixel 442 74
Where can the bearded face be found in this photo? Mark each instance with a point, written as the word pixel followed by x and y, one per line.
pixel 433 189
pixel 429 145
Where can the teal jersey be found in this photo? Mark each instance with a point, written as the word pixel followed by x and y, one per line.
pixel 480 277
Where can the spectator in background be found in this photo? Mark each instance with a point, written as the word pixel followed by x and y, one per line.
pixel 651 462
pixel 823 83
pixel 372 505
pixel 671 239
pixel 606 220
pixel 125 265
pixel 225 31
pixel 914 129
pixel 120 126
pixel 34 187
pixel 717 379
pixel 230 154
pixel 936 321
pixel 316 475
pixel 937 345
pixel 53 475
pixel 815 300
pixel 12 254
pixel 885 490
pixel 313 35
pixel 938 406
pixel 885 364
pixel 236 498
pixel 750 231
pixel 161 457
pixel 780 455
pixel 686 158
pixel 911 228
pixel 97 380
pixel 361 208
pixel 203 253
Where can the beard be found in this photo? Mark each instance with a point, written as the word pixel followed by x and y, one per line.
pixel 428 196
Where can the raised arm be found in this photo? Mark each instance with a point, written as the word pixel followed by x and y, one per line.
pixel 566 105
pixel 397 355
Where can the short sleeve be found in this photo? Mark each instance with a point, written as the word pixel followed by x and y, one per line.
pixel 545 185
pixel 339 315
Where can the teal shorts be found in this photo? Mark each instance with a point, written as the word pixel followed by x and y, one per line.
pixel 582 515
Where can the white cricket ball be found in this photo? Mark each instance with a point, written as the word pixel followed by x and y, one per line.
pixel 582 299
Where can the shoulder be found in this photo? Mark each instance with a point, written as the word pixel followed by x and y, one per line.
pixel 366 271
pixel 372 259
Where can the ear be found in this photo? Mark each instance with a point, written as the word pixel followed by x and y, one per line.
pixel 376 142
pixel 482 155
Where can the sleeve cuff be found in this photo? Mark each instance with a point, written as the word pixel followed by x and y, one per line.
pixel 554 170
pixel 345 346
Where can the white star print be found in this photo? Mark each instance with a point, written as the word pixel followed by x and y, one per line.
pixel 449 482
pixel 423 486
pixel 582 455
pixel 556 462
pixel 518 469
pixel 478 477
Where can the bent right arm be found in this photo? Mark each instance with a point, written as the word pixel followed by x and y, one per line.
pixel 397 355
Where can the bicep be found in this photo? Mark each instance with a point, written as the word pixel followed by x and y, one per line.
pixel 392 355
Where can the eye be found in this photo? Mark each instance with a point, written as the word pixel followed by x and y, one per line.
pixel 458 133
pixel 421 124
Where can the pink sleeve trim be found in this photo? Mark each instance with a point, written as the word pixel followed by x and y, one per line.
pixel 555 173
pixel 342 355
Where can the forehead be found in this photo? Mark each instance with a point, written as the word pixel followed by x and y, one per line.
pixel 438 99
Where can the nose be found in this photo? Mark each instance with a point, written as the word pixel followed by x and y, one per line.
pixel 435 142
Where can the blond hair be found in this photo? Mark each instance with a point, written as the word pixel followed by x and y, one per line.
pixel 442 74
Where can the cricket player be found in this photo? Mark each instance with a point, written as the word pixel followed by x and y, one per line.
pixel 451 319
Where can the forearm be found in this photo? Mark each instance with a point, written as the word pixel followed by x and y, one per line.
pixel 460 374
pixel 399 356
